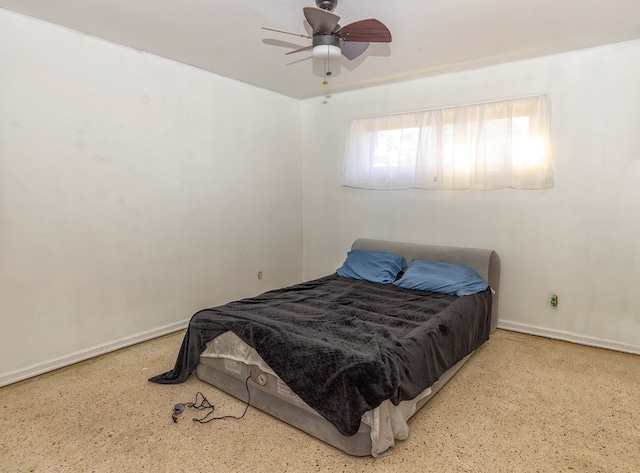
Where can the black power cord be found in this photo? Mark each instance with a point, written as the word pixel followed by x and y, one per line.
pixel 203 404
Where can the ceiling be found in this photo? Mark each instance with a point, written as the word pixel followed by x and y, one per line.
pixel 429 37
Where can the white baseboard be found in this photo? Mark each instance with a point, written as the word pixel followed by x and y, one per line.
pixel 61 362
pixel 50 365
pixel 567 337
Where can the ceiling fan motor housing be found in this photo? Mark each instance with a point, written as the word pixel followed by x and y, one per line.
pixel 326 40
pixel 328 5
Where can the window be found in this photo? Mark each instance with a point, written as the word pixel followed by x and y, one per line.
pixel 484 146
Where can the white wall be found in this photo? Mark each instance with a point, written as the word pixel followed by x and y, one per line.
pixel 133 191
pixel 580 239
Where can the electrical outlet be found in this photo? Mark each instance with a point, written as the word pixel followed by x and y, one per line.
pixel 259 274
pixel 554 301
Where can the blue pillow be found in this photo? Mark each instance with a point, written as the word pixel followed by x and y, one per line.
pixel 447 278
pixel 374 266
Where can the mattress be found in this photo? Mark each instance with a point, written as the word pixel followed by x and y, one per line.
pixel 227 362
pixel 345 345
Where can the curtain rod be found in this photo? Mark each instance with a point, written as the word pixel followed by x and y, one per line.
pixel 455 106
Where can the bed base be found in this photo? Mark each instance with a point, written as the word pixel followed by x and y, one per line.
pixel 268 395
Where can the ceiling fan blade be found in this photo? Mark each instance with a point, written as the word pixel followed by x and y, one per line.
pixel 306 48
pixel 321 21
pixel 286 32
pixel 370 30
pixel 353 49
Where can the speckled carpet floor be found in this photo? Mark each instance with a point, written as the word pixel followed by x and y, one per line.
pixel 521 404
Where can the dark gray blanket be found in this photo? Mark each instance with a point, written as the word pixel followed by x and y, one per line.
pixel 345 345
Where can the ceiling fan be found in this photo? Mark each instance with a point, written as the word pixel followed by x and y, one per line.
pixel 330 40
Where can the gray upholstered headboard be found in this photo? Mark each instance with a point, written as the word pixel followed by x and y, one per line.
pixel 485 262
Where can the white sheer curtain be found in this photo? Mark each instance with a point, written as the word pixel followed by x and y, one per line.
pixel 483 146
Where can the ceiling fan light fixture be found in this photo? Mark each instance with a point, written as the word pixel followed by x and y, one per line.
pixel 326 52
pixel 326 47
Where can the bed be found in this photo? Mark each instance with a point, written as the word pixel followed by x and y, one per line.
pixel 347 359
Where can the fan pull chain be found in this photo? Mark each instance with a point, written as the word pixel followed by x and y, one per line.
pixel 327 72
